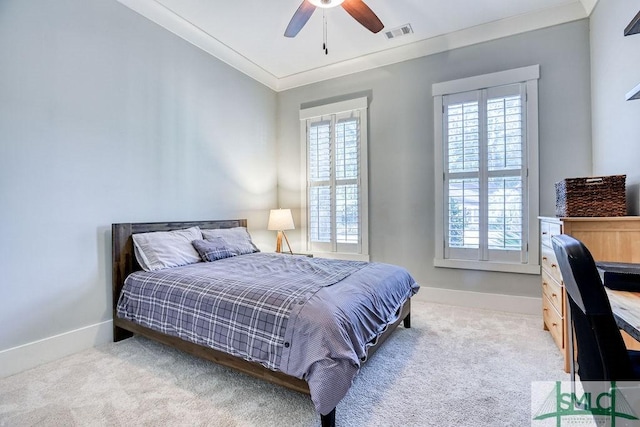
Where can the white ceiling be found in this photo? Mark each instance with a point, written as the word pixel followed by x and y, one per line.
pixel 248 34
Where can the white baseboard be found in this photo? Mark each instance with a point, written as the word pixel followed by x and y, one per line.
pixel 23 357
pixel 497 302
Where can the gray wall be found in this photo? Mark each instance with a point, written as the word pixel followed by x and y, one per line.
pixel 401 181
pixel 106 117
pixel 615 68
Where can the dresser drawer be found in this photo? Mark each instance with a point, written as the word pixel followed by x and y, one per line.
pixel 553 321
pixel 547 231
pixel 552 290
pixel 550 263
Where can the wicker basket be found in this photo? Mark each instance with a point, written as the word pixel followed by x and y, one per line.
pixel 592 196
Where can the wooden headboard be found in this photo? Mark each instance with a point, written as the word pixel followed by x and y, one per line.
pixel 123 257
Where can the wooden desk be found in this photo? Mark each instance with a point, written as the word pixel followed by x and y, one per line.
pixel 626 310
pixel 609 239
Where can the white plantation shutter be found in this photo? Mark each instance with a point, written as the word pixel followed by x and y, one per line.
pixel 486 188
pixel 336 164
pixel 347 161
pixel 506 145
pixel 484 146
pixel 320 181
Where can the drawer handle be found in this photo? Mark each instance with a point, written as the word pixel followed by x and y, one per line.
pixel 544 258
pixel 553 266
pixel 544 232
pixel 554 295
pixel 554 324
pixel 544 284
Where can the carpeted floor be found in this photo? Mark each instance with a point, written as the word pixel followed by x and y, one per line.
pixel 455 367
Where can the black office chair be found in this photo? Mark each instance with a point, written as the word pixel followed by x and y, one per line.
pixel 602 355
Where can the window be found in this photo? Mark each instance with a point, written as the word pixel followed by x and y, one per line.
pixel 335 139
pixel 486 172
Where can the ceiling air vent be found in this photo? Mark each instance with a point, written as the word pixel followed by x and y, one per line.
pixel 399 31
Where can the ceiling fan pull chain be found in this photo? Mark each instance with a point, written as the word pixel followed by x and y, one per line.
pixel 324 33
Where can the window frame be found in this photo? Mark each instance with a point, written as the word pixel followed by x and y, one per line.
pixel 334 249
pixel 528 76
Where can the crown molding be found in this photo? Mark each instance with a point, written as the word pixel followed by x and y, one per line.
pixel 167 19
pixel 589 5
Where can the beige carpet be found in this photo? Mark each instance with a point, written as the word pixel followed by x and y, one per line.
pixel 454 367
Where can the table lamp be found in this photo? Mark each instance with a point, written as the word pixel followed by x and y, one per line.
pixel 280 220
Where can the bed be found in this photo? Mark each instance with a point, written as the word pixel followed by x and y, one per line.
pixel 311 346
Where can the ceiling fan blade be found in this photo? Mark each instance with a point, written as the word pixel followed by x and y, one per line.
pixel 363 14
pixel 299 18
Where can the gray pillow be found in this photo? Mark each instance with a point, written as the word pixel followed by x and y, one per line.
pixel 212 250
pixel 236 239
pixel 165 249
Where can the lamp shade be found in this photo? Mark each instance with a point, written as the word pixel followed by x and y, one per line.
pixel 280 219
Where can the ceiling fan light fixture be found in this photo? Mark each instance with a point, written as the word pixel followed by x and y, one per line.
pixel 326 3
pixel 356 8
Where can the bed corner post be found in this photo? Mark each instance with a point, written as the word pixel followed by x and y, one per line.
pixel 407 321
pixel 122 264
pixel 406 310
pixel 329 420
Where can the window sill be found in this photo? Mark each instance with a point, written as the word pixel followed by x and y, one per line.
pixel 342 255
pixel 502 267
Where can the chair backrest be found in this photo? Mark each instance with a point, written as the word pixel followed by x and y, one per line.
pixel 602 355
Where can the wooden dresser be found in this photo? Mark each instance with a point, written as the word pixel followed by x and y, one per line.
pixel 615 239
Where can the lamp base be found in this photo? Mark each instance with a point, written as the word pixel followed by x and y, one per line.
pixel 279 242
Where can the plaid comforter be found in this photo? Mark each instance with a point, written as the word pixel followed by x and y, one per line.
pixel 310 318
pixel 239 305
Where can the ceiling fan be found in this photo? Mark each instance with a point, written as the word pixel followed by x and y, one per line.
pixel 356 8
